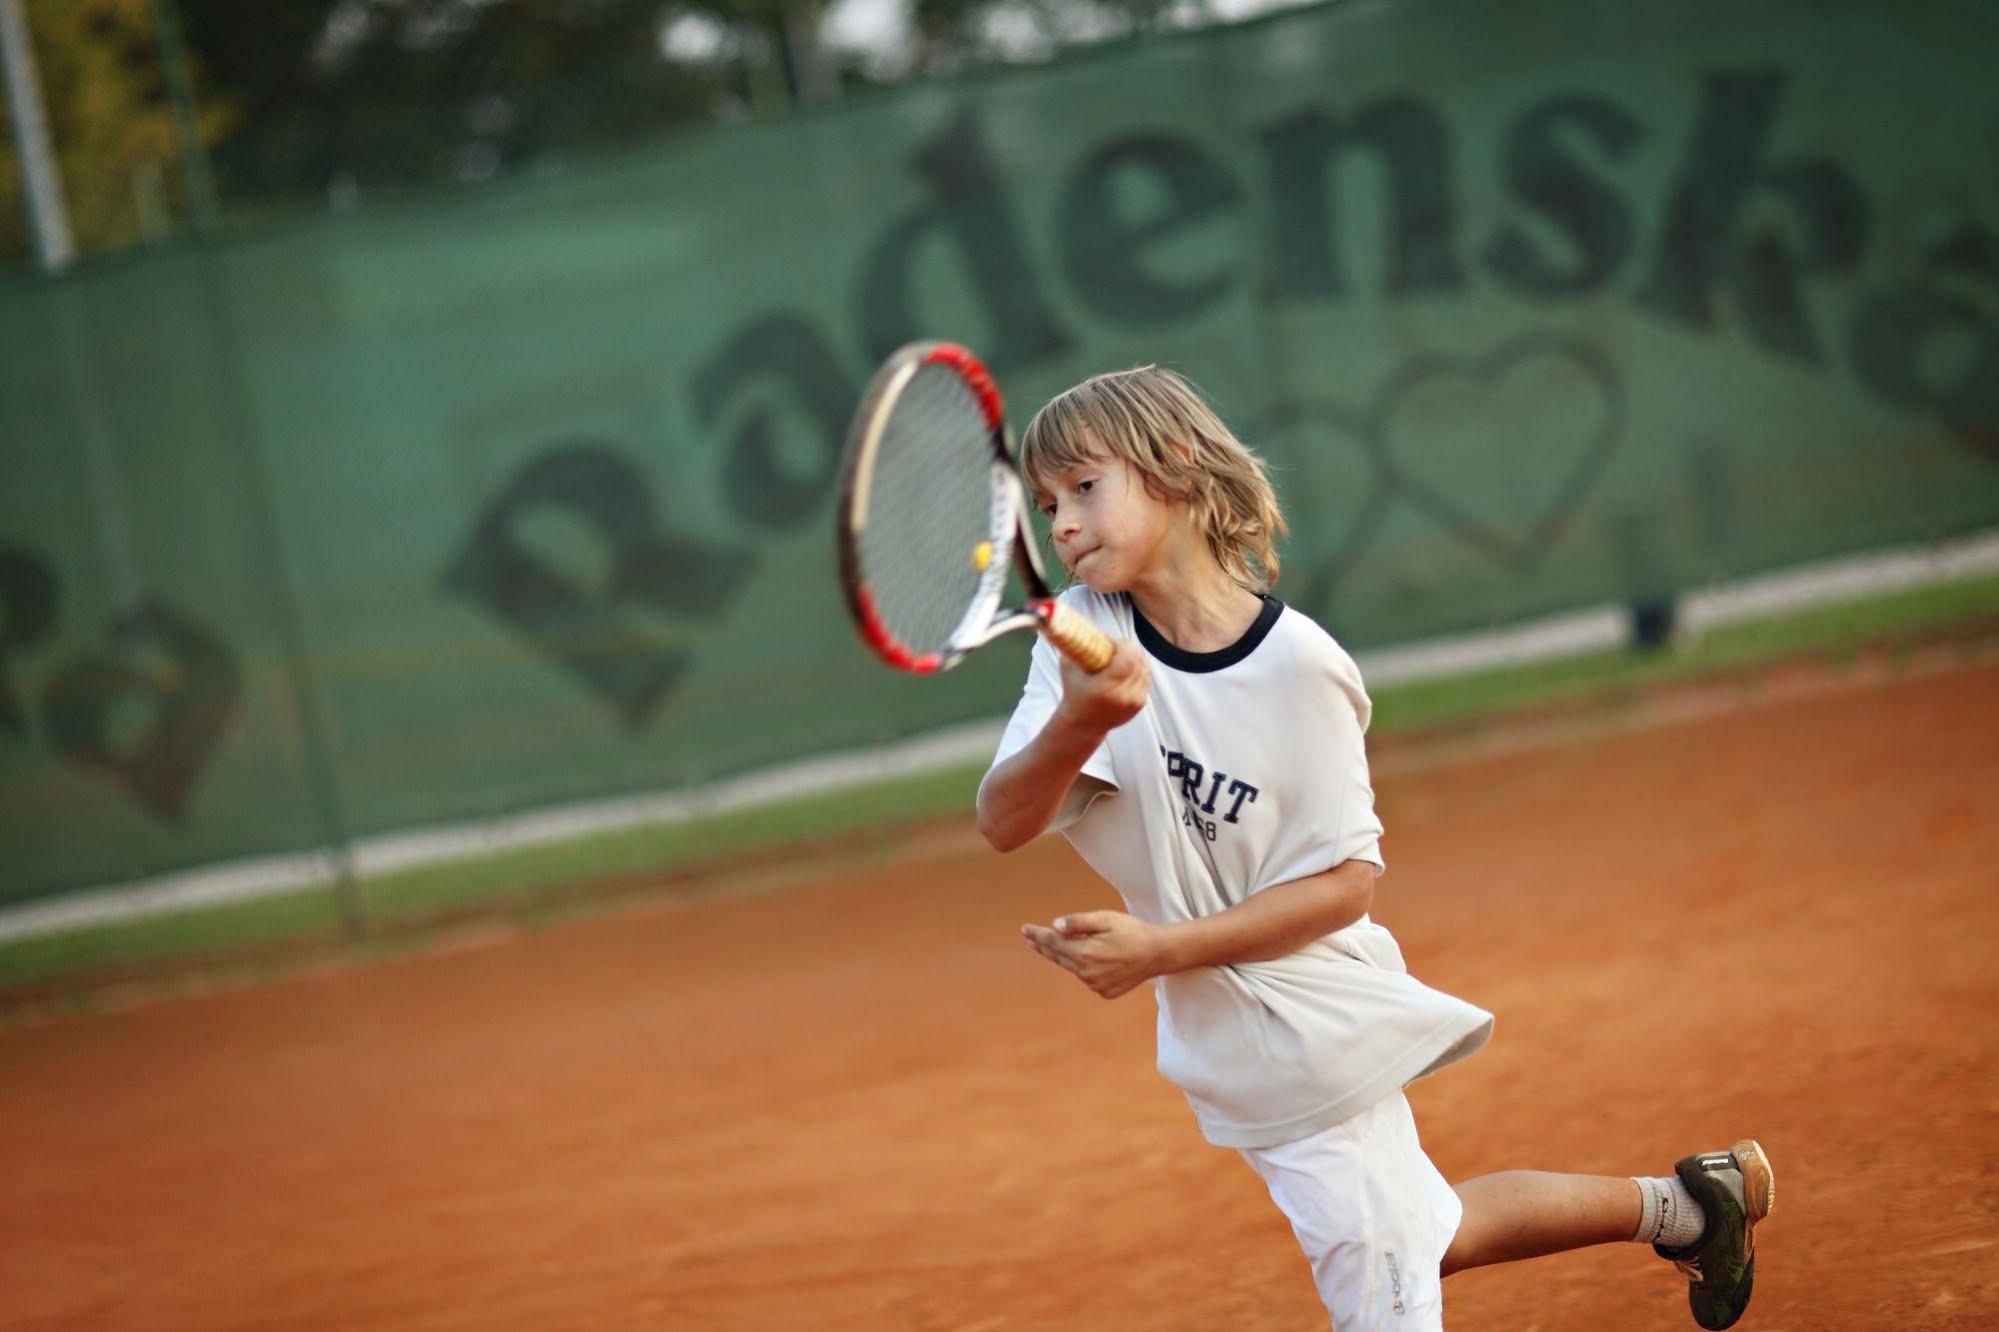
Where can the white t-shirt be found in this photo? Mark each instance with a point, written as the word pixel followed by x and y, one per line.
pixel 1246 769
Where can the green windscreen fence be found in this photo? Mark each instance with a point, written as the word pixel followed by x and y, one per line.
pixel 522 495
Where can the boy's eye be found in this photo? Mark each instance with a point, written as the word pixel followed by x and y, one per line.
pixel 1049 508
pixel 1083 487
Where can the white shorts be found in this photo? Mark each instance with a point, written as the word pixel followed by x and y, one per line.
pixel 1372 1214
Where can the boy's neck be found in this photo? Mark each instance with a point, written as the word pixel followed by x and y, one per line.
pixel 1194 604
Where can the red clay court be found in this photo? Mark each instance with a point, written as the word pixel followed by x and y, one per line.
pixel 860 1102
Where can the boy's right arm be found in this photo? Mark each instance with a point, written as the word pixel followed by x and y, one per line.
pixel 1022 793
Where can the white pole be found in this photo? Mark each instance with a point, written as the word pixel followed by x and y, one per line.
pixel 31 137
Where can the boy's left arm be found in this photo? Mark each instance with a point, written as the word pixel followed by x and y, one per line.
pixel 1113 953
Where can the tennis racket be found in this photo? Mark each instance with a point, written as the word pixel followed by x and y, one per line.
pixel 933 516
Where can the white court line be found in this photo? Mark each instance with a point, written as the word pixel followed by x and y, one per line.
pixel 1594 629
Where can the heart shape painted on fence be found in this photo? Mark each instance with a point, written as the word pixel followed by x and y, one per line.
pixel 1336 493
pixel 1501 449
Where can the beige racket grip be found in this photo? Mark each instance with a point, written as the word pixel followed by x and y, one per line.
pixel 1075 637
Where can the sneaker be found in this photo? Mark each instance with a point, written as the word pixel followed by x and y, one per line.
pixel 1736 1190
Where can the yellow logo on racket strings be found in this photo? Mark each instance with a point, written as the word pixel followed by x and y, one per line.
pixel 982 556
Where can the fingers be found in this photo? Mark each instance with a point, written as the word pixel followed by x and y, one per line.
pixel 1085 922
pixel 1091 946
pixel 1114 695
pixel 1128 660
pixel 1127 675
pixel 1051 946
pixel 1077 925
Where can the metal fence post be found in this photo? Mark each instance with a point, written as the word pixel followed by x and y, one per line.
pixel 40 178
pixel 306 692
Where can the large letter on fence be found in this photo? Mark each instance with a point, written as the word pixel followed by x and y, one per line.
pixel 1422 218
pixel 186 682
pixel 972 211
pixel 1704 248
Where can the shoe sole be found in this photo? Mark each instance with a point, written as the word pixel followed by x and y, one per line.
pixel 1759 1181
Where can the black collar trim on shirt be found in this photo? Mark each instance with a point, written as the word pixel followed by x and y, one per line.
pixel 1180 659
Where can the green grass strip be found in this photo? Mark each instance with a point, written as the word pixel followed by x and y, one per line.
pixel 209 931
pixel 1842 630
pixel 521 879
pixel 533 871
pixel 524 881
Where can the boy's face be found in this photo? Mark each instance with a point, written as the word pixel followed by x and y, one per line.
pixel 1108 528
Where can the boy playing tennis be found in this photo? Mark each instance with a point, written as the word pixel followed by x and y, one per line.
pixel 1214 773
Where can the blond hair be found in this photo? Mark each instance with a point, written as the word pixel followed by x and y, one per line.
pixel 1161 425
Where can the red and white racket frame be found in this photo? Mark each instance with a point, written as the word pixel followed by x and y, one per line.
pixel 1012 541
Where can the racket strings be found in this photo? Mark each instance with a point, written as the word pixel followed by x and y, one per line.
pixel 931 529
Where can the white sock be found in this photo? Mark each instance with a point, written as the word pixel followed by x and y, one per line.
pixel 1670 1216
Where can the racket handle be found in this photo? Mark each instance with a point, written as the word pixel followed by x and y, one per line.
pixel 1074 637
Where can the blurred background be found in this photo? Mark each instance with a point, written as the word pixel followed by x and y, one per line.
pixel 418 417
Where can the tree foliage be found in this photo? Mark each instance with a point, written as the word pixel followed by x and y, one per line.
pixel 307 100
pixel 375 94
pixel 110 121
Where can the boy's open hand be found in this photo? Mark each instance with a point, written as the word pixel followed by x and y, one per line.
pixel 1113 696
pixel 1109 951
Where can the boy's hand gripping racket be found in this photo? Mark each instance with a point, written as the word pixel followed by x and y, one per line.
pixel 932 515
